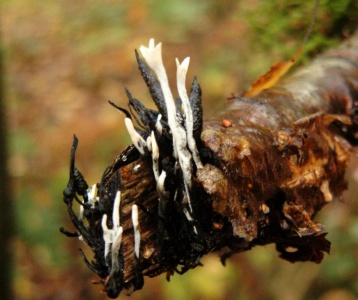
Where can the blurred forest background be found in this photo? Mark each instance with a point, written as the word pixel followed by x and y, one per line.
pixel 64 59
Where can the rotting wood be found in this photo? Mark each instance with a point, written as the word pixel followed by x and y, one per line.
pixel 270 163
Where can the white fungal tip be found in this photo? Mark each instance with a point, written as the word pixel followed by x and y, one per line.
pixel 116 214
pixel 135 216
pixel 151 43
pixel 160 184
pixel 182 69
pixel 158 124
pixel 104 223
pixel 137 140
pixel 152 54
pixel 184 66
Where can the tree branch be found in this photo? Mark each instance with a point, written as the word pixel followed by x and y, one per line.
pixel 267 164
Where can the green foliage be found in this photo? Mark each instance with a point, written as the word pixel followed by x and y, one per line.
pixel 279 26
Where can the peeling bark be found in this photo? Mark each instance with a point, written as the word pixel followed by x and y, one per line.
pixel 270 163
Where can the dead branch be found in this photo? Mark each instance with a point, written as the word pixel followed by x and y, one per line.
pixel 255 174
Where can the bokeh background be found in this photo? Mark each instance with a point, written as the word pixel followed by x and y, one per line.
pixel 64 59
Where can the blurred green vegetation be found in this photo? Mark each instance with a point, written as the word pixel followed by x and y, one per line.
pixel 65 59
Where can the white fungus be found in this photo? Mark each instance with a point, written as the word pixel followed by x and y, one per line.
pixel 113 237
pixel 107 235
pixel 182 138
pixel 160 185
pixel 158 125
pixel 155 156
pixel 153 57
pixel 115 214
pixel 137 140
pixel 136 230
pixel 92 199
pixel 182 70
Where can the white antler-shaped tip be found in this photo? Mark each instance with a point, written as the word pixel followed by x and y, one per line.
pixel 182 68
pixel 153 55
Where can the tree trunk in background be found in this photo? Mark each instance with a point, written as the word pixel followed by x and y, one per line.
pixel 6 205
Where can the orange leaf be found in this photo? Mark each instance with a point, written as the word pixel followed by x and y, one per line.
pixel 279 69
pixel 272 76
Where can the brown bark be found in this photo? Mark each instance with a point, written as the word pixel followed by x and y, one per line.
pixel 271 162
pixel 286 146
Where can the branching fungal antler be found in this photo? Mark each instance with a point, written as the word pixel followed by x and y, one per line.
pixel 255 174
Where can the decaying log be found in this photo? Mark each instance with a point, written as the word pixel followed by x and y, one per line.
pixel 256 174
